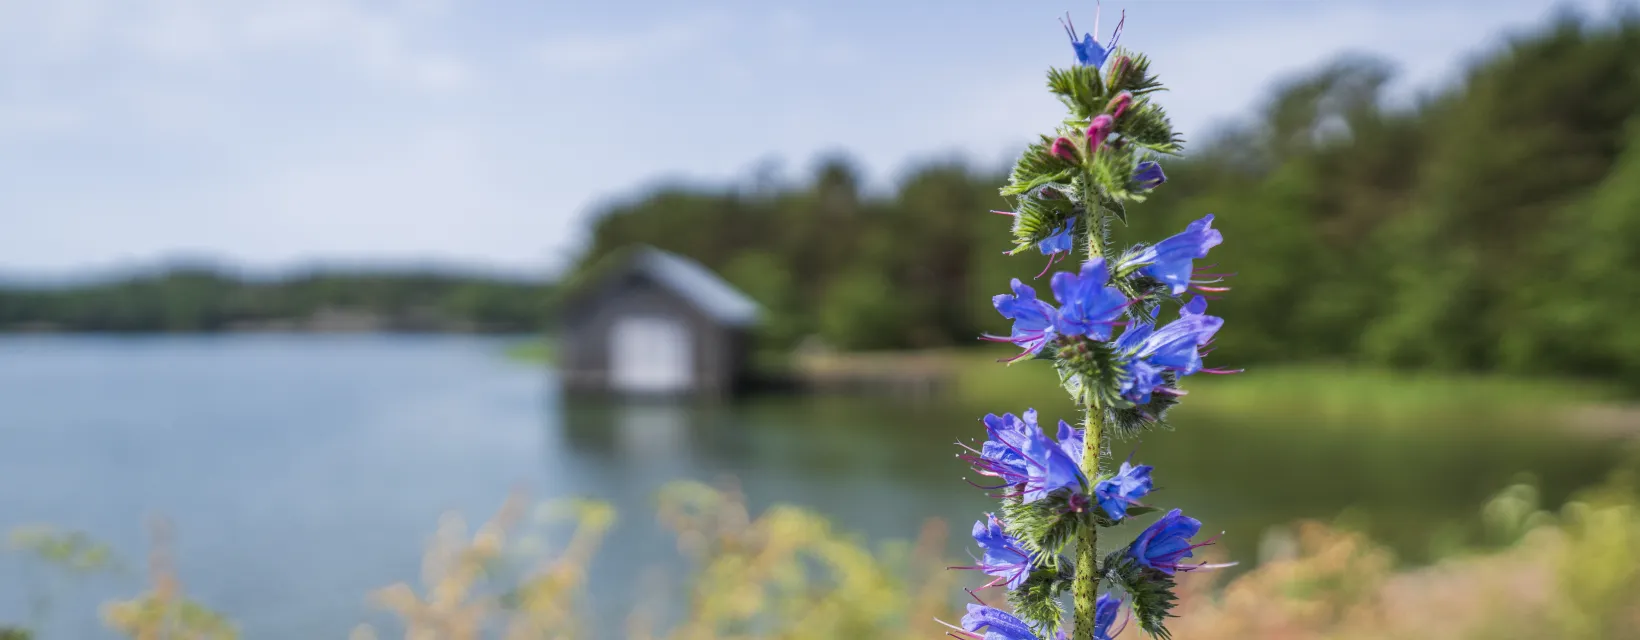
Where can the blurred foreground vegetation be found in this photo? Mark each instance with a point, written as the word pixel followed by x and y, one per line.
pixel 786 573
pixel 1519 185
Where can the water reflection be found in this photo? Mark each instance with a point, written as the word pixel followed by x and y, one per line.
pixel 302 473
pixel 881 467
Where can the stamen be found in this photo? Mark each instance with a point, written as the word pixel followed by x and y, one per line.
pixel 1127 614
pixel 1117 35
pixel 966 634
pixel 1046 267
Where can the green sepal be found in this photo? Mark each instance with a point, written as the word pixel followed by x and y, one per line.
pixel 1081 89
pixel 1069 379
pixel 1036 218
pixel 1112 170
pixel 1149 291
pixel 1104 521
pixel 1147 126
pixel 1043 527
pixel 1037 167
pixel 1133 76
pixel 1096 365
pixel 1037 600
pixel 1151 592
pixel 1127 422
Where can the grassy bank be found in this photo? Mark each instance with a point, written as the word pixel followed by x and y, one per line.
pixel 532 351
pixel 1321 393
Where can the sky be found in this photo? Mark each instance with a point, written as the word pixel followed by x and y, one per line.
pixel 276 134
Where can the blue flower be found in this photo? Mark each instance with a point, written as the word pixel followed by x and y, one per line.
pixel 1172 260
pixel 997 625
pixel 1033 319
pixel 1057 242
pixel 1147 352
pixel 1125 488
pixel 1051 467
pixel 1004 558
pixel 1104 615
pixel 1148 175
pixel 1057 245
pixel 1089 305
pixel 1166 542
pixel 1175 346
pixel 1020 455
pixel 1071 441
pixel 1088 51
pixel 1002 456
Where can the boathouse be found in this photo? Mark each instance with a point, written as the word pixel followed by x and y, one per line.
pixel 645 322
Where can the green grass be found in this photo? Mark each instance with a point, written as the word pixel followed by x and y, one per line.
pixel 534 351
pixel 1321 393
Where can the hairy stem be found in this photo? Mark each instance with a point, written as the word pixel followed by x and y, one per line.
pixel 1085 589
pixel 1092 222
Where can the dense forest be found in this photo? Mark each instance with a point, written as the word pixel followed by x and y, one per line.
pixel 206 299
pixel 1494 225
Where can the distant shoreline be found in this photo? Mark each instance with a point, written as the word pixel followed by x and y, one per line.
pixel 254 331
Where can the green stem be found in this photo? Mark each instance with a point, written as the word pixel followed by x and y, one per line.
pixel 1085 588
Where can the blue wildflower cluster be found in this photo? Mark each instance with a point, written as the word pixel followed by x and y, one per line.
pixel 1103 332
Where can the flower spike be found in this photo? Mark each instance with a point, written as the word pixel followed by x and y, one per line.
pixel 1113 353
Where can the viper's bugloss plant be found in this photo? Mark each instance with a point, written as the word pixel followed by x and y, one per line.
pixel 1113 355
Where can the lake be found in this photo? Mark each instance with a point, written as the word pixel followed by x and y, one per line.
pixel 301 472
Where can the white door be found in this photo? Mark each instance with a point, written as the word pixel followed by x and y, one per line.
pixel 651 355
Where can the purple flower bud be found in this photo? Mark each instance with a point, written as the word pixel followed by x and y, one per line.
pixel 1148 175
pixel 1064 149
pixel 1119 66
pixel 1098 130
pixel 1119 104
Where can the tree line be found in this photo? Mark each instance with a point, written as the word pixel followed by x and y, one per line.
pixel 1493 225
pixel 200 299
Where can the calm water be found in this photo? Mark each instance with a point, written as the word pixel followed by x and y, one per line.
pixel 301 472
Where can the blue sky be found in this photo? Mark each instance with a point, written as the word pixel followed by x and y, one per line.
pixel 277 133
